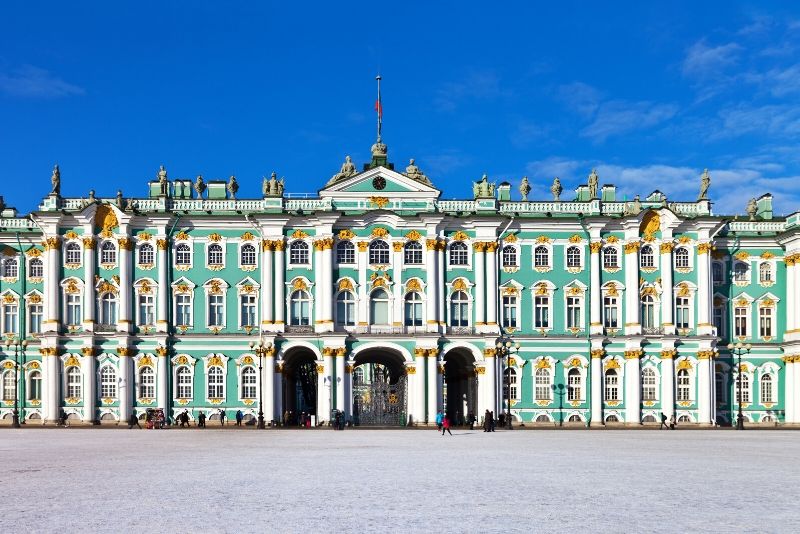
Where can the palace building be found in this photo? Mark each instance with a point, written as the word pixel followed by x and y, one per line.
pixel 379 299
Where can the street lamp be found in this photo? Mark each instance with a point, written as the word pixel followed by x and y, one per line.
pixel 740 349
pixel 261 350
pixel 505 348
pixel 19 347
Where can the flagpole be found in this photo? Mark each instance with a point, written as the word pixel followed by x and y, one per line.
pixel 380 107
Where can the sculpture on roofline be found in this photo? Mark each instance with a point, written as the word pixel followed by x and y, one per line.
pixel 705 182
pixel 232 187
pixel 55 180
pixel 752 209
pixel 119 198
pixel 556 189
pixel 413 172
pixel 484 188
pixel 593 178
pixel 272 187
pixel 199 186
pixel 525 188
pixel 162 180
pixel 347 170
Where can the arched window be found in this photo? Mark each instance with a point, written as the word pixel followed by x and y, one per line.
pixel 248 255
pixel 541 256
pixel 648 312
pixel 215 255
pixel 147 383
pixel 345 309
pixel 682 258
pixel 216 382
pixel 413 309
pixel 108 253
pixel 8 385
pixel 184 382
pixel 345 252
pixel 765 272
pixel 10 316
pixel 541 311
pixel 35 387
pixel 459 309
pixel 684 385
pixel 459 253
pixel 183 254
pixel 647 259
pixel 10 269
pixel 717 273
pixel 744 395
pixel 36 268
pixel 612 385
pixel 74 382
pixel 722 390
pixel 542 384
pixel 300 308
pixel 767 389
pixel 648 384
pixel 413 253
pixel 573 257
pixel 574 385
pixel 741 272
pixel 682 312
pixel 510 384
pixel 379 252
pixel 248 383
pixel 107 316
pixel 510 256
pixel 358 376
pixel 72 254
pixel 146 254
pixel 108 382
pixel 575 418
pixel 610 312
pixel 379 307
pixel 612 419
pixel 509 311
pixel 610 258
pixel 298 253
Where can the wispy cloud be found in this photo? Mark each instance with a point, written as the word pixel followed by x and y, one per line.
pixel 477 84
pixel 580 98
pixel 618 117
pixel 703 60
pixel 34 82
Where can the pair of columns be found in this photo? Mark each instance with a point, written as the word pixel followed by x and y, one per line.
pixel 273 302
pixel 486 291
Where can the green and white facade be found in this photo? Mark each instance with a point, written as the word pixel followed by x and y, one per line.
pixel 622 311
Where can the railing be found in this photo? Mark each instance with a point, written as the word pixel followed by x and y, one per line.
pixel 654 331
pixel 460 330
pixel 547 207
pixel 308 204
pixel 16 223
pixel 456 205
pixel 380 329
pixel 756 226
pixel 299 329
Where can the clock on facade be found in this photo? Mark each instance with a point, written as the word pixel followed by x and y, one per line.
pixel 379 182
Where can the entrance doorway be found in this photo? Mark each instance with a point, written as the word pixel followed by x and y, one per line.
pixel 379 390
pixel 460 387
pixel 299 385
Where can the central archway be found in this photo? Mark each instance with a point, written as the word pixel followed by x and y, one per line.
pixel 460 388
pixel 299 385
pixel 379 389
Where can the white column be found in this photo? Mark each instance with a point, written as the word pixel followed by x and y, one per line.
pixel 418 389
pixel 440 270
pixel 668 382
pixel 491 381
pixel 125 285
pixel 483 403
pixel 89 245
pixel 164 291
pixel 267 303
pixel 397 276
pixel 347 379
pixel 162 391
pixel 362 309
pixel 632 326
pixel 278 395
pixel 703 294
pixel 796 388
pixel 633 387
pixel 326 287
pixel 52 302
pixel 268 380
pixel 480 285
pixel 595 322
pixel 340 380
pixel 324 374
pixel 52 384
pixel 280 274
pixel 667 297
pixel 597 386
pixel 790 303
pixel 491 291
pixel 431 377
pixel 88 368
pixel 788 390
pixel 319 292
pixel 704 387
pixel 125 388
pixel 431 281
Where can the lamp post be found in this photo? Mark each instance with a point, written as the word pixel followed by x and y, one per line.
pixel 739 349
pixel 19 347
pixel 260 349
pixel 506 347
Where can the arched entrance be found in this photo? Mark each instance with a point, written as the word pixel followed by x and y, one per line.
pixel 379 389
pixel 460 386
pixel 299 384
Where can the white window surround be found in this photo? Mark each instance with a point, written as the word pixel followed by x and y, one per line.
pixel 737 302
pixel 250 287
pixel 146 265
pixel 549 292
pixel 140 386
pixel 176 290
pixel 582 373
pixel 550 257
pixel 175 254
pixel 603 260
pixel 209 288
pixel 742 272
pixel 581 258
pixel 310 255
pixel 145 286
pixel 517 255
pixel 676 253
pixel 650 367
pixel 28 305
pixel 619 386
pixel 77 383
pixel 16 313
pixel 566 291
pixel 542 380
pixel 104 247
pixel 222 254
pixel 767 301
pixel 345 250
pixel 773 370
pixel 72 247
pixel 256 255
pixel 718 264
pixel 606 291
pixel 65 284
pixel 182 361
pixel 747 376
pixel 512 288
pixel 770 264
pixel 107 389
pixel 676 291
pixel 215 360
pixel 33 265
pixel 379 250
pixel 299 283
pixel 468 252
pixel 691 374
pixel 355 302
pixel 251 368
pixel 467 289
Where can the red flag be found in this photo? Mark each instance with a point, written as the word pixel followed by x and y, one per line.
pixel 379 108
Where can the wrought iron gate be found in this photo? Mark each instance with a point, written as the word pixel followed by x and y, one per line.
pixel 377 401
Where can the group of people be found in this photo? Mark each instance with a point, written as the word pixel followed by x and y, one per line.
pixel 303 419
pixel 665 424
pixel 443 423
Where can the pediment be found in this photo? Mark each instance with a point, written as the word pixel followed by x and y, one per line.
pixel 379 181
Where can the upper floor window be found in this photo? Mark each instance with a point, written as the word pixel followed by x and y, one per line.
pixel 247 255
pixel 682 312
pixel 249 380
pixel 345 309
pixel 509 311
pixel 345 252
pixel 717 273
pixel 413 253
pixel 9 383
pixel 247 310
pixel 612 385
pixel 573 312
pixel 509 256
pixel 73 310
pixel 10 318
pixel 108 310
pixel 216 310
pixel 215 255
pixel 147 310
pixel 510 384
pixel 610 312
pixel 541 317
pixel 72 254
pixel 35 314
pixel 740 314
pixel 610 258
pixel 459 253
pixel 744 394
pixel 413 309
pixel 647 259
pixel 648 384
pixel 573 257
pixel 36 268
pixel 298 253
pixel 183 309
pixel 682 258
pixel 379 307
pixel 108 382
pixel 74 382
pixel 765 273
pixel 541 256
pixel 767 389
pixel 648 317
pixel 147 383
pixel 459 309
pixel 146 254
pixel 183 254
pixel 765 322
pixel 379 252
pixel 108 253
pixel 741 272
pixel 300 308
pixel 684 385
pixel 35 386
pixel 216 382
pixel 183 377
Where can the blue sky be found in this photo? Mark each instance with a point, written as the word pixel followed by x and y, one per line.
pixel 650 93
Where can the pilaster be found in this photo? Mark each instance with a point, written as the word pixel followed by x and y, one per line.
pixel 89 374
pixel 280 281
pixel 705 357
pixel 632 325
pixel 704 285
pixel 268 379
pixel 595 322
pixel 492 292
pixel 52 302
pixel 125 284
pixel 164 291
pixel 89 258
pixel 267 301
pixel 667 294
pixel 668 354
pixel 597 353
pixel 125 384
pixel 480 286
pixel 163 374
pixel 431 291
pixel 633 385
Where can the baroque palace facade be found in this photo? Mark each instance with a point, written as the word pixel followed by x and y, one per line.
pixel 378 299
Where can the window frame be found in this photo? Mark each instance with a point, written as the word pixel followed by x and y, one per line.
pixel 246 250
pixel 458 255
pixel 569 258
pixel 215 389
pixel 108 249
pixel 107 375
pixel 142 256
pixel 146 386
pixel 413 250
pixel 377 254
pixel 308 301
pixel 73 247
pixel 345 250
pixel 299 250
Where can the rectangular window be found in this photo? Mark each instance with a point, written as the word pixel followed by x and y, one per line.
pixel 719 320
pixel 35 314
pixel 684 386
pixel 216 312
pixel 740 318
pixel 765 322
pixel 10 318
pixel 147 310
pixel 542 312
pixel 509 311
pixel 248 310
pixel 610 312
pixel 682 312
pixel 74 310
pixel 573 312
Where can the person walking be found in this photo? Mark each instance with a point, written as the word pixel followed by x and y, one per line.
pixel 471 418
pixel 201 420
pixel 672 422
pixel 183 418
pixel 663 422
pixel 221 417
pixel 486 421
pixel 491 421
pixel 133 420
pixel 439 418
pixel 239 417
pixel 446 425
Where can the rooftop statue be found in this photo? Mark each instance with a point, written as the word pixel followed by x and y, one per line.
pixel 633 208
pixel 525 188
pixel 119 198
pixel 347 170
pixel 752 209
pixel 484 188
pixel 2 204
pixel 162 180
pixel 705 182
pixel 413 172
pixel 232 187
pixel 55 179
pixel 272 187
pixel 199 186
pixel 556 189
pixel 593 185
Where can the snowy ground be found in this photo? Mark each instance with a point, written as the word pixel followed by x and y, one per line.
pixel 112 480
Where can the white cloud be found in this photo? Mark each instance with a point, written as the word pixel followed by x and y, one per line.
pixel 476 84
pixel 580 98
pixel 702 61
pixel 33 82
pixel 618 116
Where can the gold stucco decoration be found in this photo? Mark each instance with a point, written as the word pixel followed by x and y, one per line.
pixel 543 239
pixel 379 231
pixel 105 219
pixel 247 236
pixel 346 234
pixel 704 248
pixel 345 284
pixel 742 255
pixel 181 236
pixel 612 364
pixel 611 290
pixel 542 363
pixel 299 234
pixel 612 239
pixel 413 285
pixel 651 223
pixel 413 235
pixel 381 202
pixel 460 236
pixel 683 289
pixel 299 284
pixel 459 285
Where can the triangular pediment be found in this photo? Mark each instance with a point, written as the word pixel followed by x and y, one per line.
pixel 379 181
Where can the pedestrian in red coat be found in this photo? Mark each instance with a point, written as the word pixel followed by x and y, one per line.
pixel 446 425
